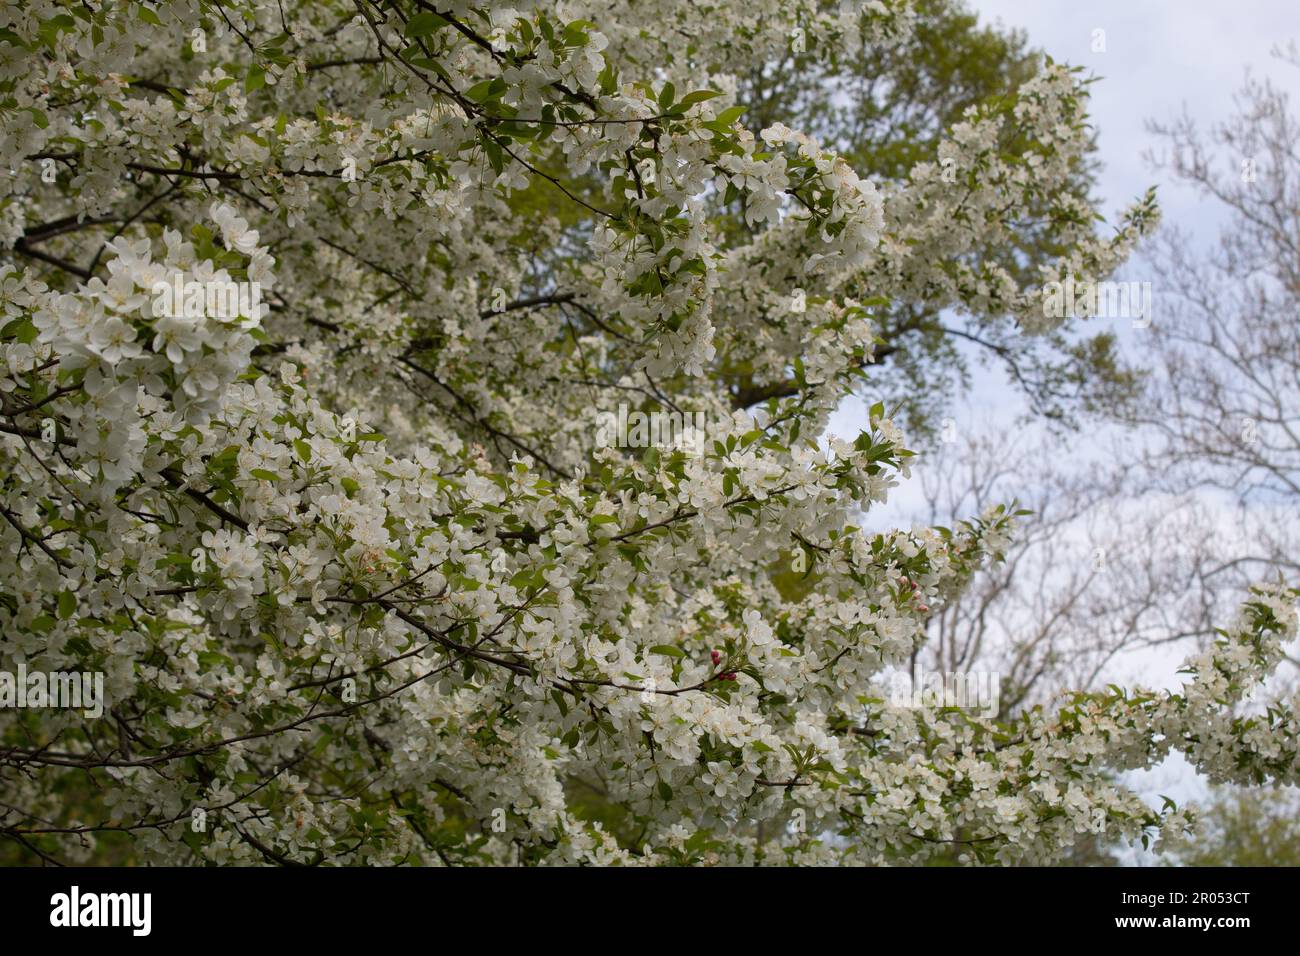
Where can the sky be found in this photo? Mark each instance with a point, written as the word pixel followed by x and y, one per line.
pixel 1160 58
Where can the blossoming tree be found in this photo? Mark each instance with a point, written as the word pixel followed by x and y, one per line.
pixel 362 583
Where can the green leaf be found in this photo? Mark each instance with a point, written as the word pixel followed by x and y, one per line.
pixel 730 115
pixel 575 33
pixel 21 329
pixel 424 24
pixel 690 99
pixel 8 36
pixel 668 649
pixel 479 91
pixel 67 604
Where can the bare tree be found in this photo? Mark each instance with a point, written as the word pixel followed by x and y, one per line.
pixel 1100 567
pixel 1223 400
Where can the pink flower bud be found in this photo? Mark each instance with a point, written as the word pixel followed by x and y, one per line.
pixel 717 658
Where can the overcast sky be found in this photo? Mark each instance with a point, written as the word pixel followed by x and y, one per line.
pixel 1160 55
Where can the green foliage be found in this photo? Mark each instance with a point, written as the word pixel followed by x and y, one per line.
pixel 1244 828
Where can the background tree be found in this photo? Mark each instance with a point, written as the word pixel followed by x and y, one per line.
pixel 1098 568
pixel 1223 400
pixel 1243 828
